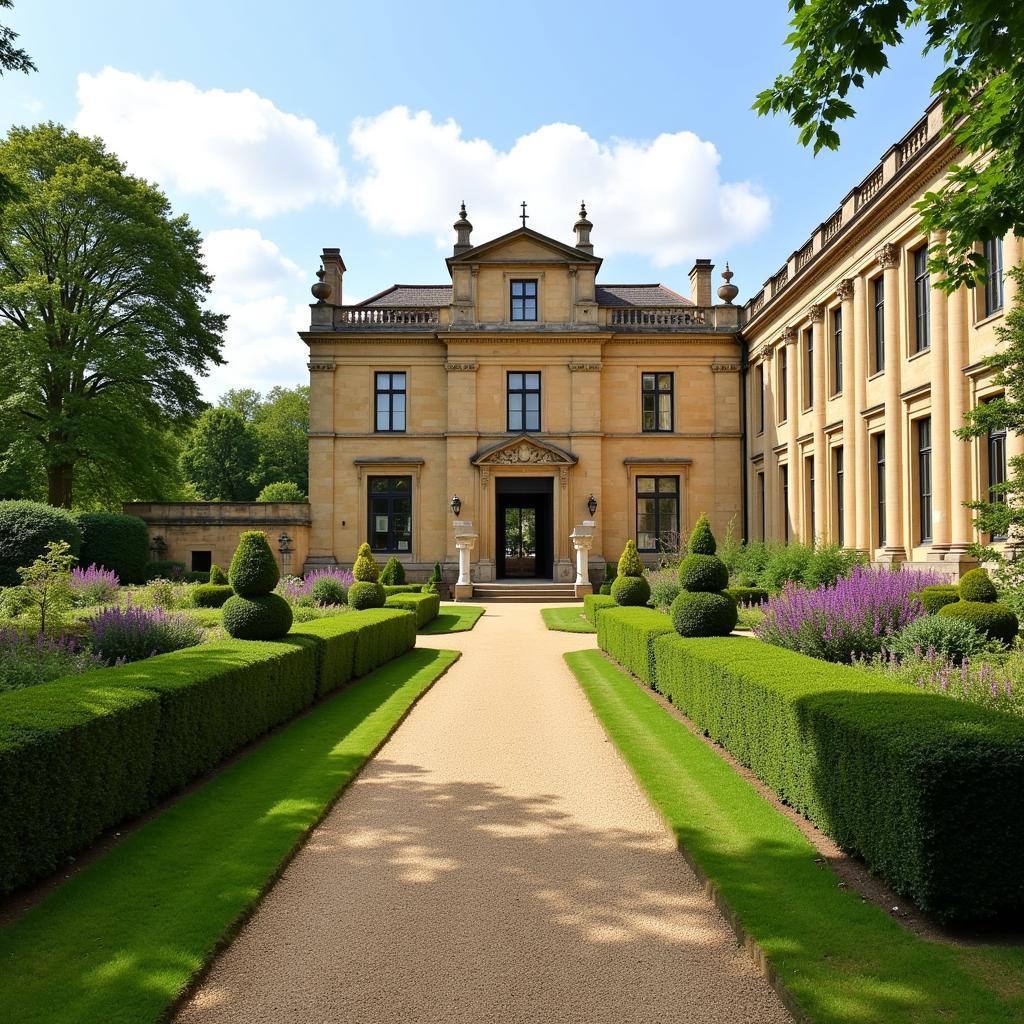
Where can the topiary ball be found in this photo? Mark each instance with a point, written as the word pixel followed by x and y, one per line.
pixel 935 597
pixel 704 614
pixel 253 570
pixel 631 591
pixel 703 574
pixel 366 594
pixel 976 586
pixel 218 575
pixel 993 619
pixel 267 617
pixel 629 562
pixel 702 540
pixel 210 595
pixel 327 590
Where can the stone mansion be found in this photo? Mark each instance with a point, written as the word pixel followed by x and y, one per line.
pixel 530 417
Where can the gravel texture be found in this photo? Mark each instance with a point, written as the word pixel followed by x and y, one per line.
pixel 495 862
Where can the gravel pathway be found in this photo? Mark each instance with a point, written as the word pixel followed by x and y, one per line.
pixel 495 862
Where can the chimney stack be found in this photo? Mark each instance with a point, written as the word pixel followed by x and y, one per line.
pixel 700 282
pixel 334 271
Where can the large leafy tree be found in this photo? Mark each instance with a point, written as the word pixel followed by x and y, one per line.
pixel 838 45
pixel 102 319
pixel 220 457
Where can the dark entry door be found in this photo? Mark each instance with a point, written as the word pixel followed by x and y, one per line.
pixel 520 541
pixel 524 527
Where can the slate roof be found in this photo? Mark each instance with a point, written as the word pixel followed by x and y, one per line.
pixel 618 295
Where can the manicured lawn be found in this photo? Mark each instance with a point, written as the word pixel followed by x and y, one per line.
pixel 843 960
pixel 454 618
pixel 120 941
pixel 568 619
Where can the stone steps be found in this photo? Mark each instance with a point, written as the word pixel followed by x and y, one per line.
pixel 540 591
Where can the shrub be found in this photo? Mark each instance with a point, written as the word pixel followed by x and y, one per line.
pixel 594 603
pixel 631 590
pixel 702 540
pixel 393 573
pixel 704 613
pixel 327 590
pixel 606 589
pixel 133 633
pixel 950 639
pixel 995 620
pixel 976 586
pixel 299 590
pixel 850 619
pixel 629 561
pixel 928 791
pixel 704 573
pixel 218 576
pixel 747 595
pixel 404 588
pixel 116 542
pixel 365 569
pixel 828 563
pixel 46 586
pixel 626 634
pixel 282 490
pixel 364 594
pixel 265 617
pixel 664 587
pixel 424 606
pixel 934 597
pixel 609 573
pixel 253 570
pixel 433 585
pixel 784 564
pixel 26 527
pixel 30 659
pixel 210 595
pixel 163 570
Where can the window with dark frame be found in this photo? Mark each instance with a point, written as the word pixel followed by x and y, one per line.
pixel 657 400
pixel 523 401
pixel 784 384
pixel 879 306
pixel 837 461
pixel 390 514
pixel 523 296
pixel 880 486
pixel 761 504
pixel 922 300
pixel 809 368
pixel 389 403
pixel 997 471
pixel 811 510
pixel 993 249
pixel 657 512
pixel 784 488
pixel 924 478
pixel 760 398
pixel 837 351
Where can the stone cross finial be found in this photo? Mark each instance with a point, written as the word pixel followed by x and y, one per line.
pixel 524 216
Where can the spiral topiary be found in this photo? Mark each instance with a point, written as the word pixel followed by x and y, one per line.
pixel 703 613
pixel 976 586
pixel 253 571
pixel 255 612
pixel 703 574
pixel 366 594
pixel 631 591
pixel 702 540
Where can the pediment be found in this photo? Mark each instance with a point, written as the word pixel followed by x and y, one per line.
pixel 523 450
pixel 524 245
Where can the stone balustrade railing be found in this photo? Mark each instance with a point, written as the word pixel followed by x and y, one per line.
pixel 654 317
pixel 386 316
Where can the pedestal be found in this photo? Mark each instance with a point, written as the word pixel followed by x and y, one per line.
pixel 465 539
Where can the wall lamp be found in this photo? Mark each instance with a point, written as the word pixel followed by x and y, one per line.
pixel 592 504
pixel 456 505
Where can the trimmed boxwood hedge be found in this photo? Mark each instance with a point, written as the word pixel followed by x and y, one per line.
pixel 424 606
pixel 116 542
pixel 627 634
pixel 937 596
pixel 210 595
pixel 403 588
pixel 928 791
pixel 26 527
pixel 593 603
pixel 995 620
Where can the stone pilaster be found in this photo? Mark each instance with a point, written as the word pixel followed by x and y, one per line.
pixel 894 550
pixel 961 533
pixel 816 314
pixel 940 414
pixel 795 509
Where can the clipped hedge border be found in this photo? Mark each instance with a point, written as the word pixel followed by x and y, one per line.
pixel 594 603
pixel 80 755
pixel 929 791
pixel 628 635
pixel 403 588
pixel 424 606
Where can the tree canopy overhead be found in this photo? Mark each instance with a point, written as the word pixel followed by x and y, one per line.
pixel 12 58
pixel 838 45
pixel 102 320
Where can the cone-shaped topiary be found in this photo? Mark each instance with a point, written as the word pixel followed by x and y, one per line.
pixel 631 591
pixel 703 573
pixel 366 594
pixel 704 614
pixel 976 586
pixel 218 575
pixel 629 563
pixel 266 617
pixel 253 569
pixel 393 573
pixel 366 569
pixel 702 540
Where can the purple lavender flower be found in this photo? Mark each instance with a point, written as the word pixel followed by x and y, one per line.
pixel 27 659
pixel 94 585
pixel 132 633
pixel 294 587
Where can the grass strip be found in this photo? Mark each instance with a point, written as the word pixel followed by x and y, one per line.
pixel 841 960
pixel 118 943
pixel 568 619
pixel 453 618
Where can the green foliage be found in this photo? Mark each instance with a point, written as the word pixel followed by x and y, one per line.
pixel 704 573
pixel 631 591
pixel 253 570
pixel 433 585
pixel 605 588
pixel 26 527
pixel 164 570
pixel 365 569
pixel 393 574
pixel 747 595
pixel 976 586
pixel 609 572
pixel 218 575
pixel 283 490
pixel 935 597
pixel 364 594
pixel 210 595
pixel 704 613
pixel 424 606
pixel 264 617
pixel 993 619
pixel 46 586
pixel 769 565
pixel 702 540
pixel 220 456
pixel 913 783
pixel 327 590
pixel 116 542
pixel 404 588
pixel 664 586
pixel 629 562
pixel 106 327
pixel 594 603
pixel 828 563
pixel 12 58
pixel 949 639
pixel 785 563
pixel 628 635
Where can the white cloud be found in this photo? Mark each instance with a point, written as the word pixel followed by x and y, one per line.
pixel 262 292
pixel 663 199
pixel 236 146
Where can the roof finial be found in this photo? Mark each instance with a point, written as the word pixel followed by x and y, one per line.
pixel 728 291
pixel 524 216
pixel 462 229
pixel 582 228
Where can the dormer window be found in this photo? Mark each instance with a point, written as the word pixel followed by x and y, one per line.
pixel 524 300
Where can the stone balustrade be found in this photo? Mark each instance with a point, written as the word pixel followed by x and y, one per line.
pixel 386 316
pixel 658 317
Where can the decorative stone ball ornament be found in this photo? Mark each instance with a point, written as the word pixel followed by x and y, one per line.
pixel 255 612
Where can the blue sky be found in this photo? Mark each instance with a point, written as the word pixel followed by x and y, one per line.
pixel 280 131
